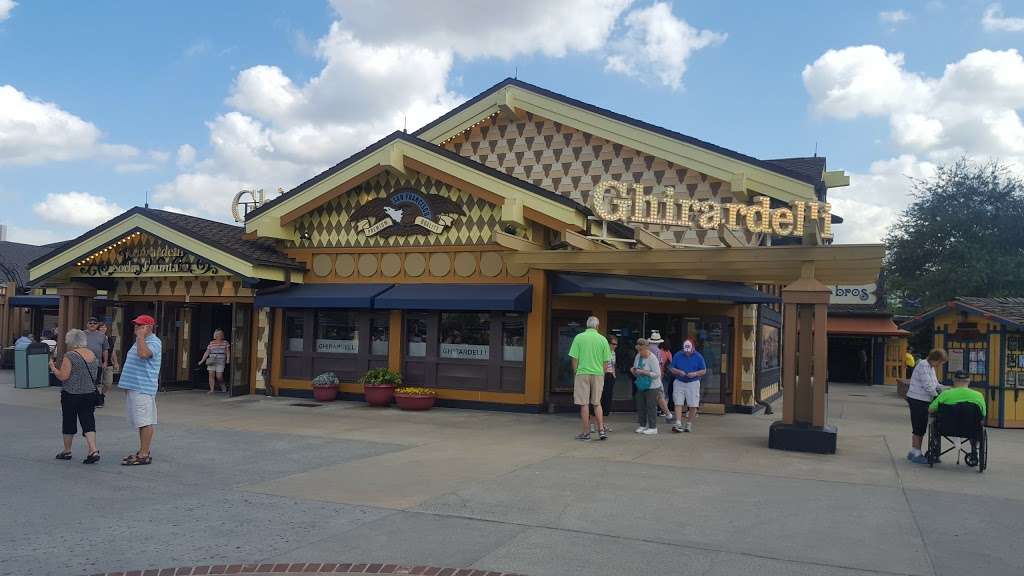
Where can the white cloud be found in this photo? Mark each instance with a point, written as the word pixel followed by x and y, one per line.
pixel 874 200
pixel 5 9
pixel 134 167
pixel 79 209
pixel 482 29
pixel 970 110
pixel 186 156
pixel 37 236
pixel 35 132
pixel 657 44
pixel 893 17
pixel 993 20
pixel 380 74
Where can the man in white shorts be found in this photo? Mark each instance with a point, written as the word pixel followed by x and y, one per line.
pixel 687 366
pixel 140 379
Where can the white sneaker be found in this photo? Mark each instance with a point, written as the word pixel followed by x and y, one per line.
pixel 650 431
pixel 687 428
pixel 593 427
pixel 669 418
pixel 641 430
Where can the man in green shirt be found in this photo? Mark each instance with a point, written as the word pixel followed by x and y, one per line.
pixel 589 352
pixel 960 392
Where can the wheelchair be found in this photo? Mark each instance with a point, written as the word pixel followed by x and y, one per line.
pixel 959 424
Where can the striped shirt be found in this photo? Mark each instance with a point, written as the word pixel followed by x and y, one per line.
pixel 217 351
pixel 142 374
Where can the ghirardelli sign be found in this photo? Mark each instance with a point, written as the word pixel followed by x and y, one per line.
pixel 142 260
pixel 613 200
pixel 406 212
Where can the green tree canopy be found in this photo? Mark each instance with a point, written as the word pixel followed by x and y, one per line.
pixel 963 235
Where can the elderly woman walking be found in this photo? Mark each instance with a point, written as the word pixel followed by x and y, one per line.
pixel 647 371
pixel 79 373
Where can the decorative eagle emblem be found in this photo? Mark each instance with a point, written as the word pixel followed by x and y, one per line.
pixel 406 212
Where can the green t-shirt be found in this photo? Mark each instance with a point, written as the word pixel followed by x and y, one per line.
pixel 591 351
pixel 958 395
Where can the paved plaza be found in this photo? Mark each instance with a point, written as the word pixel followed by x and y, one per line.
pixel 258 480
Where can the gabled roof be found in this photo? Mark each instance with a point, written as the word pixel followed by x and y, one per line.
pixel 1004 310
pixel 220 243
pixel 619 229
pixel 781 169
pixel 812 167
pixel 15 258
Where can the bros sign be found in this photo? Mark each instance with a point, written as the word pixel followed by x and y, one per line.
pixel 861 294
pixel 613 200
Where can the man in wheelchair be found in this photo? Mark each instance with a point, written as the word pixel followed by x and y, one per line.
pixel 959 413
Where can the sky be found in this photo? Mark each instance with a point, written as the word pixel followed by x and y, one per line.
pixel 107 104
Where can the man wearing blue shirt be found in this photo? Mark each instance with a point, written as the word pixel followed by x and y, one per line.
pixel 140 379
pixel 687 366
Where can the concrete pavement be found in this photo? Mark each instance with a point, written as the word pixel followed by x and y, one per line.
pixel 257 480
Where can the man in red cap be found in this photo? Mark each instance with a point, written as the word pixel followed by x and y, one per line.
pixel 140 379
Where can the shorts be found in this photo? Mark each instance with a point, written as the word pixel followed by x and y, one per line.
pixel 918 415
pixel 587 388
pixel 107 378
pixel 686 393
pixel 217 367
pixel 77 409
pixel 140 408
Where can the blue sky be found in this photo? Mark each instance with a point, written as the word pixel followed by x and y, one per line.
pixel 102 102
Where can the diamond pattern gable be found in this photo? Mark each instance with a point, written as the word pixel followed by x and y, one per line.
pixel 330 225
pixel 572 162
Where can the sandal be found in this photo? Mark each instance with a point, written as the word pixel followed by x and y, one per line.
pixel 64 456
pixel 129 457
pixel 137 460
pixel 92 458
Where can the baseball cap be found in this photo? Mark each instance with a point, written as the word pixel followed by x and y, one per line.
pixel 93 319
pixel 144 320
pixel 961 375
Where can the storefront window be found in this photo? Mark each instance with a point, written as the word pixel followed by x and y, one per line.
pixel 337 332
pixel 294 332
pixel 513 336
pixel 416 335
pixel 379 336
pixel 465 336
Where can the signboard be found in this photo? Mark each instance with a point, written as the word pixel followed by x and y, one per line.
pixel 141 254
pixel 406 212
pixel 337 346
pixel 859 294
pixel 465 351
pixel 613 200
pixel 956 361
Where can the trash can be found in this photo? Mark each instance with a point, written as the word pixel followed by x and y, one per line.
pixel 32 366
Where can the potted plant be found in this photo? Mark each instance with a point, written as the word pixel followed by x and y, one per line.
pixel 415 398
pixel 325 387
pixel 379 386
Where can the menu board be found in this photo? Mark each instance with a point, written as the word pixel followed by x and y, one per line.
pixel 956 361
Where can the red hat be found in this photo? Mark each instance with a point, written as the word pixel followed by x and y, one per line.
pixel 144 320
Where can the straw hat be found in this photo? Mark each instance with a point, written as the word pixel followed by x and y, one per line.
pixel 655 337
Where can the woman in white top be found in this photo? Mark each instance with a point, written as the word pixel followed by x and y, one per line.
pixel 647 371
pixel 924 387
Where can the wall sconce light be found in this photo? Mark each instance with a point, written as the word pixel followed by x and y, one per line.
pixel 305 235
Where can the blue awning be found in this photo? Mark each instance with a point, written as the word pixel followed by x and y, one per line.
pixel 323 296
pixel 35 301
pixel 678 289
pixel 505 297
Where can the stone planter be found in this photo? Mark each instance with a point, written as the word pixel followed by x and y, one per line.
pixel 415 401
pixel 325 393
pixel 379 395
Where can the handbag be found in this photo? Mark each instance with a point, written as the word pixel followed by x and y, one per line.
pixel 643 381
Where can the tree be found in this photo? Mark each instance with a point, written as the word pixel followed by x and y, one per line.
pixel 963 235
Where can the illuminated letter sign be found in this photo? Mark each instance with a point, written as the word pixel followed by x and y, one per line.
pixel 613 200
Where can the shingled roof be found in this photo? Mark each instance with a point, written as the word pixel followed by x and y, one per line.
pixel 811 167
pixel 1005 310
pixel 15 258
pixel 226 237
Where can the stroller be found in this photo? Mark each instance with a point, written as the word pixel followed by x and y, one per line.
pixel 959 424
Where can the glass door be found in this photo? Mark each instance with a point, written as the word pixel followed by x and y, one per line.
pixel 565 325
pixel 713 336
pixel 627 327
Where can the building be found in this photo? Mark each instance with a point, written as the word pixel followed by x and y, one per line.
pixel 21 308
pixel 864 344
pixel 467 255
pixel 984 337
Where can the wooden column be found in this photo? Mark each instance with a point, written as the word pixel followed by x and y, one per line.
pixel 7 324
pixel 73 309
pixel 804 424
